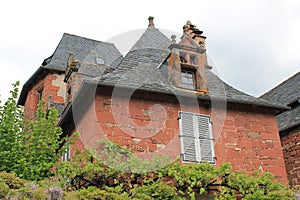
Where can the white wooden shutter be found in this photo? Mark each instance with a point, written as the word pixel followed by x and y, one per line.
pixel 205 138
pixel 187 137
pixel 196 137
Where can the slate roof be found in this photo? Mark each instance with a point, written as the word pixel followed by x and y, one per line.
pixel 287 93
pixel 83 49
pixel 148 53
pixel 152 80
pixel 152 38
pixel 140 69
pixel 288 119
pixel 90 71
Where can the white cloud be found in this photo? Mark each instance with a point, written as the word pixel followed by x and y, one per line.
pixel 248 40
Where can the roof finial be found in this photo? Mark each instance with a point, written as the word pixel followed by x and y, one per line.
pixel 185 29
pixel 151 24
pixel 173 37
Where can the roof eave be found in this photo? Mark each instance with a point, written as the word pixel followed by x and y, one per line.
pixel 68 110
pixel 287 128
pixel 278 108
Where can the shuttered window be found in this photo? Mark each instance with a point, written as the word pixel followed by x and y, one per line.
pixel 196 138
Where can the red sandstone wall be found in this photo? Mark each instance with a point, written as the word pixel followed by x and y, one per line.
pixel 291 151
pixel 248 140
pixel 251 141
pixel 52 85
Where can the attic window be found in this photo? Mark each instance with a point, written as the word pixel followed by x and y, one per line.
pixel 188 79
pixel 99 61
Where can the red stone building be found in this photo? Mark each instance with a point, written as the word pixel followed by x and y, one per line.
pixel 288 93
pixel 162 97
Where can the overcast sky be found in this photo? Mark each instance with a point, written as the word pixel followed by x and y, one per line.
pixel 251 43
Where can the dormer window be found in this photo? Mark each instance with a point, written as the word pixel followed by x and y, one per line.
pixel 187 61
pixel 188 70
pixel 188 79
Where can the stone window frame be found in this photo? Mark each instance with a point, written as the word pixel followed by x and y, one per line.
pixel 196 140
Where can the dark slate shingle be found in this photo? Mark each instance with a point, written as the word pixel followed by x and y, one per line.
pixel 83 49
pixel 285 93
pixel 288 119
pixel 152 38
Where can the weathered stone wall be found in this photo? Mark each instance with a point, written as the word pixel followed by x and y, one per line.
pixel 249 138
pixel 52 85
pixel 291 151
pixel 250 141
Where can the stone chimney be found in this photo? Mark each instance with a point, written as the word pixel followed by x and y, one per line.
pixel 191 30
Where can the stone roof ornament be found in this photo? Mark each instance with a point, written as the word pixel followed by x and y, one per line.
pixel 151 23
pixel 188 22
pixel 185 29
pixel 188 27
pixel 71 66
pixel 173 37
pixel 191 29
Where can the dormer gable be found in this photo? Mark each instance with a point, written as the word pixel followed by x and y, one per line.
pixel 188 59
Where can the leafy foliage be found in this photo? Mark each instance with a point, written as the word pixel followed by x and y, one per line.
pixel 85 178
pixel 92 180
pixel 174 181
pixel 11 126
pixel 28 147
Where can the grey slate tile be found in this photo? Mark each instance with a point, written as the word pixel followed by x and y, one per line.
pixel 287 93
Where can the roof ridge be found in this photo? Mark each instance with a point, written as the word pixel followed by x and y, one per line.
pixel 86 38
pixel 145 35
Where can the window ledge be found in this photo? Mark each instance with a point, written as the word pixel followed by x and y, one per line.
pixel 189 65
pixel 203 91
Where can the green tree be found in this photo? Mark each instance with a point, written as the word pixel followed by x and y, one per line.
pixel 11 126
pixel 28 147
